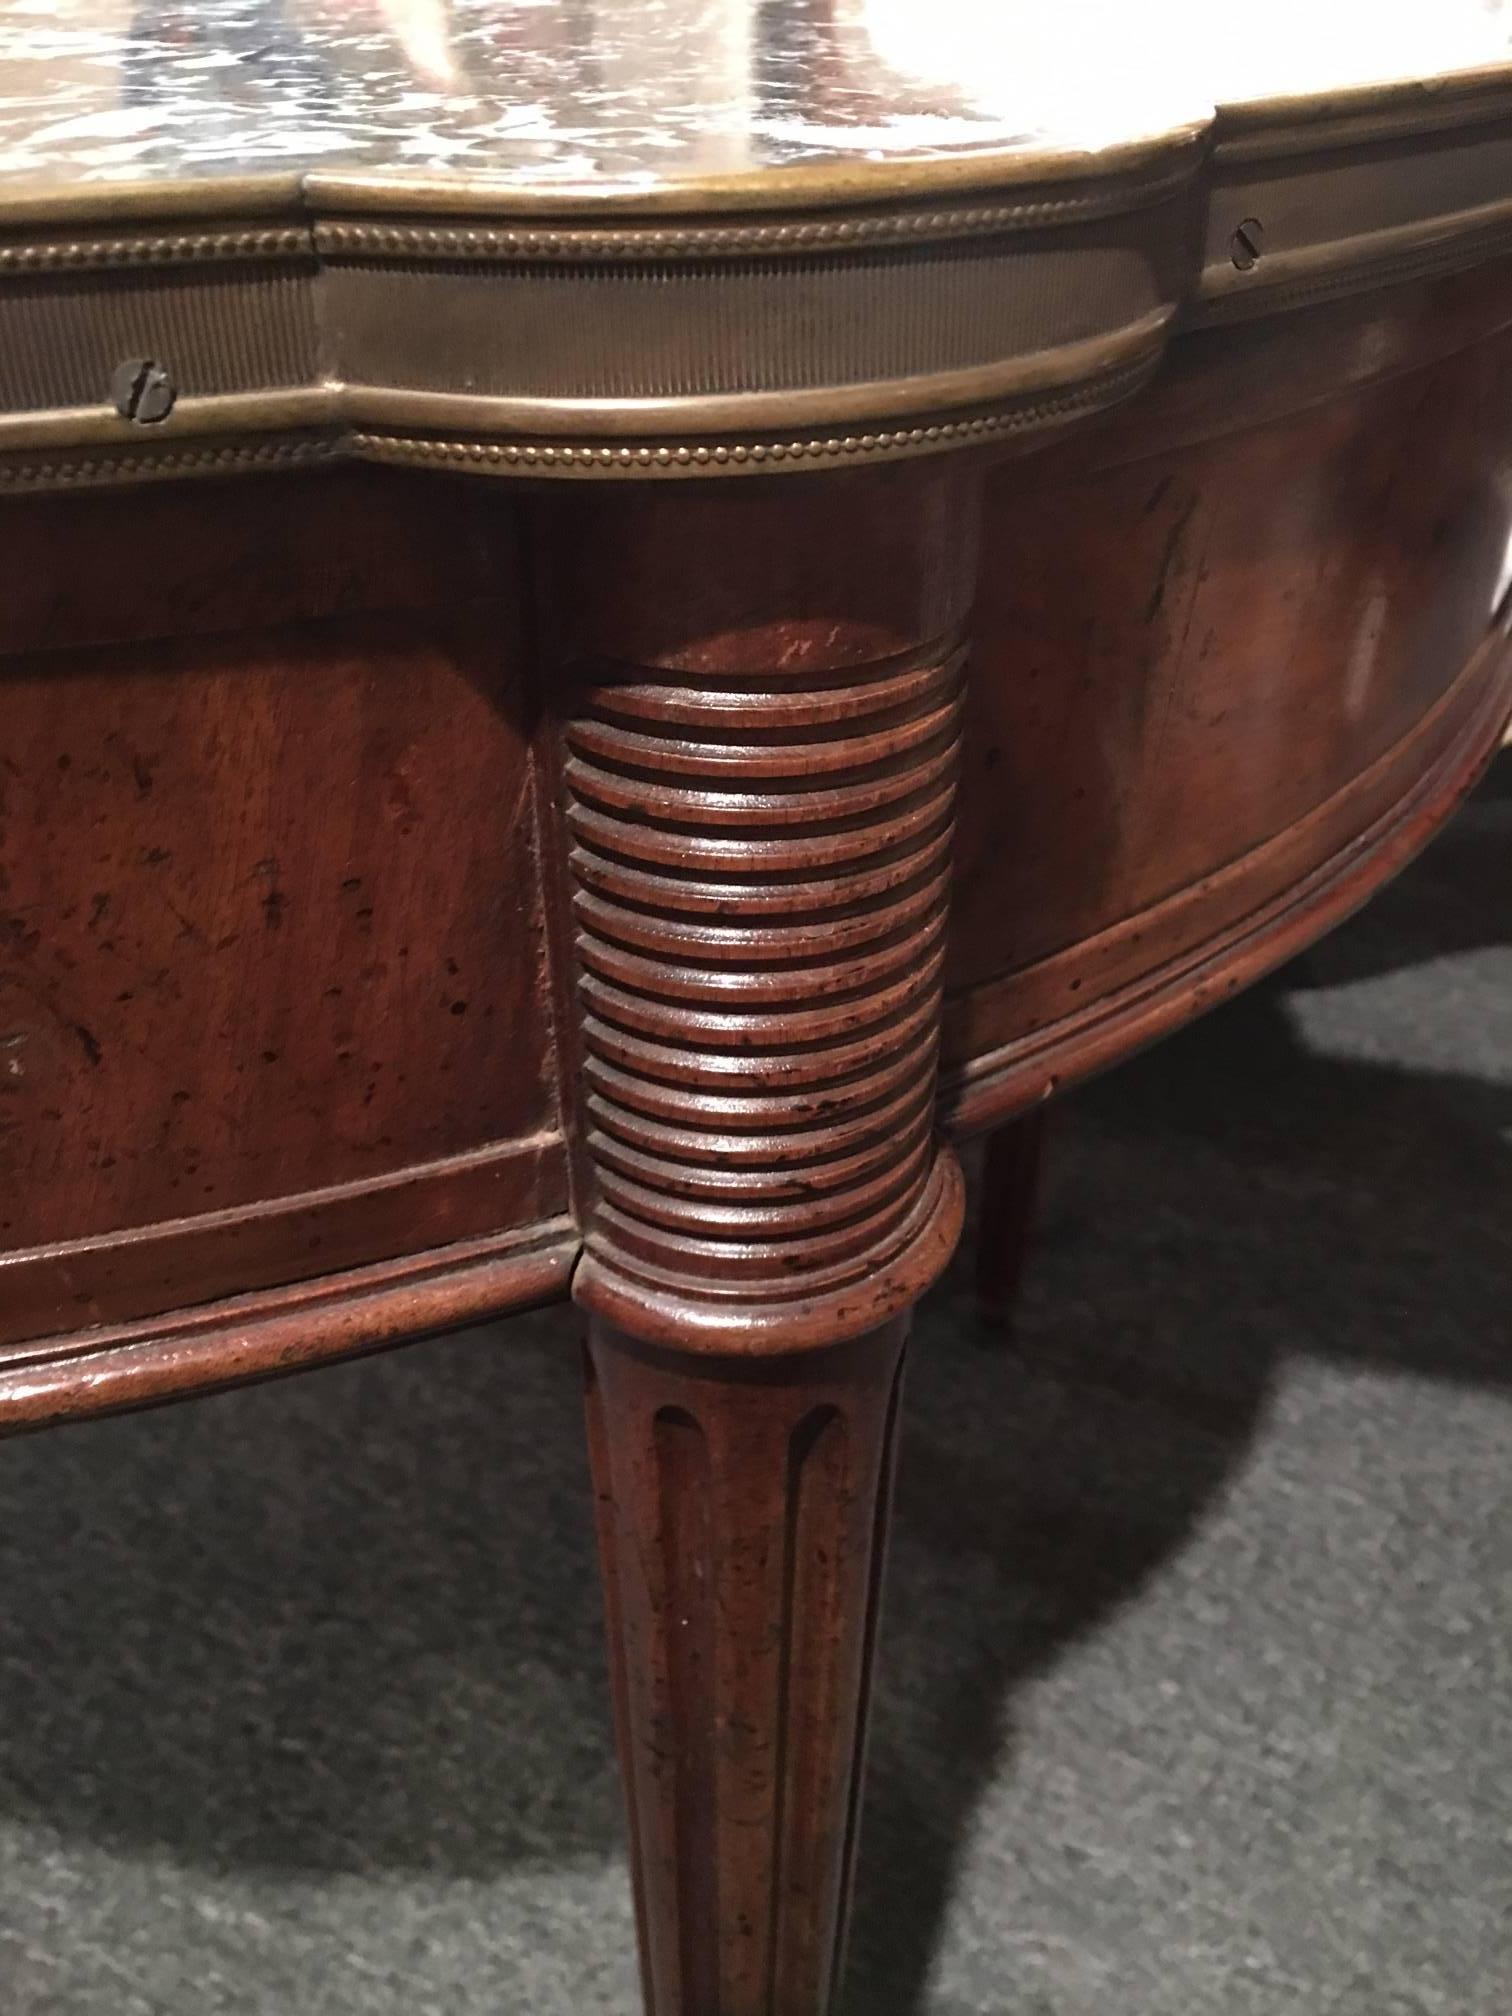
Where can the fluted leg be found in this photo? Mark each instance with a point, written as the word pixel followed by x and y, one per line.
pixel 1010 1190
pixel 760 720
pixel 741 1512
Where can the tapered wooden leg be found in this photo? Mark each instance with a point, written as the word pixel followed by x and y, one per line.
pixel 741 1517
pixel 1010 1191
pixel 760 710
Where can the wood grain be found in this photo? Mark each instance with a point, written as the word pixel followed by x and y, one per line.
pixel 1011 1175
pixel 404 885
pixel 269 914
pixel 1276 689
pixel 295 1327
pixel 760 736
pixel 740 1518
pixel 1291 622
pixel 1299 886
pixel 758 807
pixel 119 1277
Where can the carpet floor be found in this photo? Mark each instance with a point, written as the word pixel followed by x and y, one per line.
pixel 1196 1686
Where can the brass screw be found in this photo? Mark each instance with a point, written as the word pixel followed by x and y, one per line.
pixel 142 391
pixel 1247 243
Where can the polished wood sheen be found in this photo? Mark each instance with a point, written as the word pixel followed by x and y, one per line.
pixel 1293 660
pixel 759 762
pixel 741 1512
pixel 430 890
pixel 759 745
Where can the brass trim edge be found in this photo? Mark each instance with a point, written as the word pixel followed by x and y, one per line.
pixel 855 182
pixel 176 248
pixel 83 471
pixel 695 239
pixel 750 456
pixel 1348 266
pixel 282 411
pixel 1269 129
pixel 937 304
pixel 1090 362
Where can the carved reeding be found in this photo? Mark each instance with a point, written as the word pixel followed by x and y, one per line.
pixel 761 867
pixel 1268 129
pixel 85 472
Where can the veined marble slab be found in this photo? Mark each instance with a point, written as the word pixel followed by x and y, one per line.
pixel 637 92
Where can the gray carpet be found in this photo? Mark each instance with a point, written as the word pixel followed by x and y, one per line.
pixel 1197 1678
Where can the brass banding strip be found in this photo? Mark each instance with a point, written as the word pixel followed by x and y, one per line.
pixel 838 311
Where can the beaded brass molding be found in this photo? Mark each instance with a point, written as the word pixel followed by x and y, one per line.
pixel 694 239
pixel 797 320
pixel 84 472
pixel 589 458
pixel 117 254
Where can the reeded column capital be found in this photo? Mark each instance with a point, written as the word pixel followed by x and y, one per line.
pixel 757 789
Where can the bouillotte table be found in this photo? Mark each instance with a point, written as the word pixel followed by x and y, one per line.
pixel 620 623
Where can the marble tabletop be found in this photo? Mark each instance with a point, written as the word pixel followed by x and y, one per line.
pixel 630 94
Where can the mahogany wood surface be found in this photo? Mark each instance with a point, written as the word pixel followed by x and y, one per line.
pixel 741 1514
pixel 268 1008
pixel 760 738
pixel 283 804
pixel 416 891
pixel 758 765
pixel 1012 1163
pixel 1224 683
